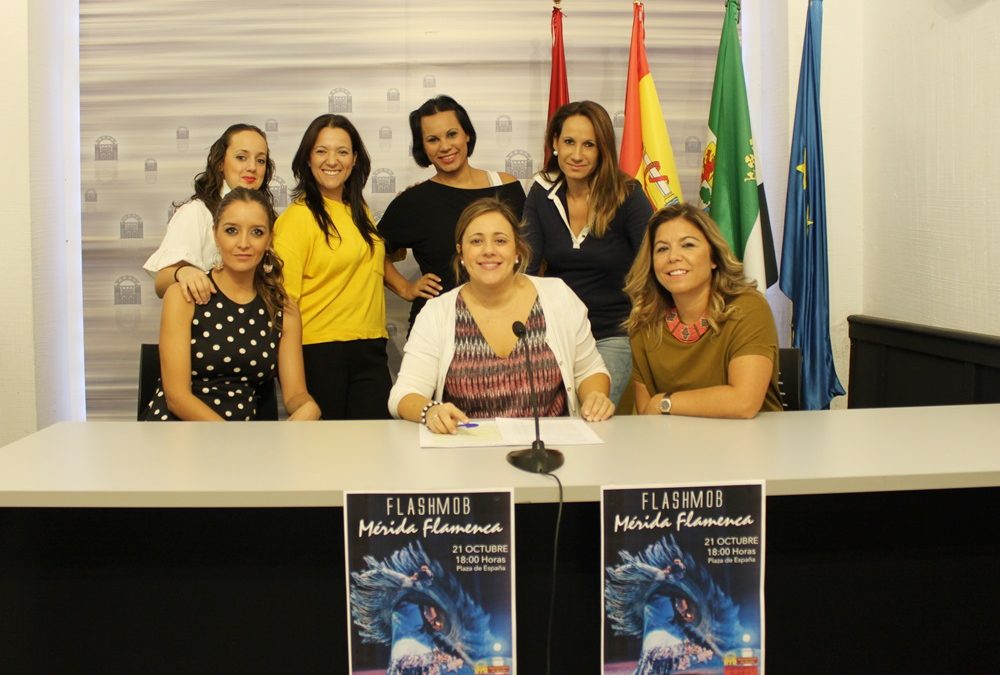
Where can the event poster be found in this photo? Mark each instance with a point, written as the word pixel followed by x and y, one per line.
pixel 430 582
pixel 683 581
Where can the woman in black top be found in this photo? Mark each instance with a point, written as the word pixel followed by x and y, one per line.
pixel 584 220
pixel 423 217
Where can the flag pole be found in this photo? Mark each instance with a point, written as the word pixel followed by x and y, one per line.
pixel 558 82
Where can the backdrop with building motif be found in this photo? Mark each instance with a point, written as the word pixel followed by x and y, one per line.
pixel 161 79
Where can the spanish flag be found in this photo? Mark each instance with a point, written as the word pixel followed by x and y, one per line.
pixel 646 152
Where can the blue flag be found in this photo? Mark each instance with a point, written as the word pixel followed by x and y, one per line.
pixel 804 275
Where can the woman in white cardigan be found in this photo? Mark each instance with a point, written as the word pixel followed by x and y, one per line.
pixel 463 359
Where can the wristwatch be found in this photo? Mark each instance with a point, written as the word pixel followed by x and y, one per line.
pixel 665 405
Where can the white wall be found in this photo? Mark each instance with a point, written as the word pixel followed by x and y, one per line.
pixel 17 353
pixel 41 346
pixel 54 100
pixel 773 37
pixel 843 68
pixel 932 151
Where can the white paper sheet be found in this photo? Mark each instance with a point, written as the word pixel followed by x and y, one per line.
pixel 486 434
pixel 506 431
pixel 554 430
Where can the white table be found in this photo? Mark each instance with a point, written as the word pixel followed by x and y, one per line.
pixel 129 464
pixel 848 521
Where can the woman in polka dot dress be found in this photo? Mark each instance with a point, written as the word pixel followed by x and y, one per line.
pixel 214 356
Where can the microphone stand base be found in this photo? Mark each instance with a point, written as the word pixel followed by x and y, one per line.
pixel 536 459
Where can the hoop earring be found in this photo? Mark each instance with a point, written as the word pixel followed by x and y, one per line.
pixel 267 262
pixel 217 262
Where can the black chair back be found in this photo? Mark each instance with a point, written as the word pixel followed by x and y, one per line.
pixel 790 378
pixel 149 375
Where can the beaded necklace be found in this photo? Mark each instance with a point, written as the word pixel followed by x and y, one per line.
pixel 685 332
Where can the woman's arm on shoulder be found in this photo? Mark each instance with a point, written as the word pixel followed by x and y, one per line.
pixel 195 285
pixel 175 359
pixel 291 369
pixel 182 246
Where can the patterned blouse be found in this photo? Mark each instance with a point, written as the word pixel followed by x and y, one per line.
pixel 483 384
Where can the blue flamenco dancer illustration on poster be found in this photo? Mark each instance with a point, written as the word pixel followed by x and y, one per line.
pixel 683 580
pixel 430 583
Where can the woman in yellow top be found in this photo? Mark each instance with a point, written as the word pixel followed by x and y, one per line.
pixel 334 266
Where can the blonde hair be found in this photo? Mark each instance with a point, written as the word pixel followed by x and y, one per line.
pixel 651 301
pixel 609 185
pixel 481 207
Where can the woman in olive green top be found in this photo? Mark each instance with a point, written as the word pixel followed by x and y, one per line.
pixel 703 338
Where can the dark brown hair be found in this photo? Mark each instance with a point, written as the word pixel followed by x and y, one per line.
pixel 208 184
pixel 434 106
pixel 609 185
pixel 308 190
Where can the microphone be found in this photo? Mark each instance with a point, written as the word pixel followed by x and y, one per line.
pixel 537 458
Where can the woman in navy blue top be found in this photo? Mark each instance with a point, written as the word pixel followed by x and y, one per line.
pixel 585 219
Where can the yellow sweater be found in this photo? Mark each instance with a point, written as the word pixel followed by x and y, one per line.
pixel 338 286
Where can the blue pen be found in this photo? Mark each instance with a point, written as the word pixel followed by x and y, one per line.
pixel 467 425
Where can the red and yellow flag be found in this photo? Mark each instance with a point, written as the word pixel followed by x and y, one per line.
pixel 646 152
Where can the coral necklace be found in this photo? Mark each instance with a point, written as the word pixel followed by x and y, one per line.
pixel 685 332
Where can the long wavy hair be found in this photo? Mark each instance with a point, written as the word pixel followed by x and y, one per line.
pixel 268 285
pixel 481 207
pixel 651 301
pixel 433 106
pixel 208 184
pixel 609 185
pixel 307 189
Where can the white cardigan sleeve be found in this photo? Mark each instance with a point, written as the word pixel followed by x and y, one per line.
pixel 428 352
pixel 570 337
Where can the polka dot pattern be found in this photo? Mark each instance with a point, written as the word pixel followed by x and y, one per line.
pixel 225 344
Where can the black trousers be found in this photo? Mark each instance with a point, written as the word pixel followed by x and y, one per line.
pixel 349 380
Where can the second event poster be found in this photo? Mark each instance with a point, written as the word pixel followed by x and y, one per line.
pixel 430 582
pixel 683 579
